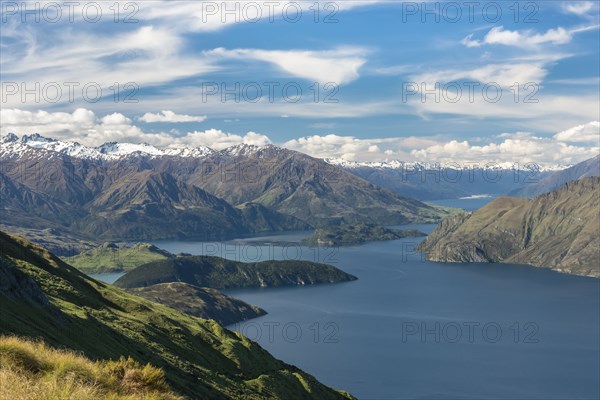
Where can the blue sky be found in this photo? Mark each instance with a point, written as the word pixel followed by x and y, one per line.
pixel 373 59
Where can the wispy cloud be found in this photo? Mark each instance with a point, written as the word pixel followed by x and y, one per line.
pixel 340 65
pixel 170 116
pixel 503 74
pixel 580 8
pixel 525 39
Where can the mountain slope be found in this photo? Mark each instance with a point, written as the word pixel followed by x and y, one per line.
pixel 200 358
pixel 310 189
pixel 124 191
pixel 220 273
pixel 437 182
pixel 558 230
pixel 151 205
pixel 200 302
pixel 552 182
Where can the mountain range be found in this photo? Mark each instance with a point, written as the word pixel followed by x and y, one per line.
pixel 431 181
pixel 139 192
pixel 555 180
pixel 558 230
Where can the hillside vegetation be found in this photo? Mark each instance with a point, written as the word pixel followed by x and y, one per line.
pixel 200 302
pixel 32 370
pixel 112 258
pixel 558 230
pixel 42 297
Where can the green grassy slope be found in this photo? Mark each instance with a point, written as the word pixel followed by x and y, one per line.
pixel 112 258
pixel 42 297
pixel 200 302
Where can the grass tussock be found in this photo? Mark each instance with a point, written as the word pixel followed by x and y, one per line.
pixel 33 371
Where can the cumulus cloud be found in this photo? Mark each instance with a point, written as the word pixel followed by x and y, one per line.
pixel 508 148
pixel 586 133
pixel 514 148
pixel 86 127
pixel 357 149
pixel 218 140
pixel 170 116
pixel 339 66
pixel 526 39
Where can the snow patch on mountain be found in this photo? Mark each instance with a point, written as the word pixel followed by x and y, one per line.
pixel 10 145
pixel 427 166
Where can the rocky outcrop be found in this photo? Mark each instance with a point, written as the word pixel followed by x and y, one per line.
pixel 558 230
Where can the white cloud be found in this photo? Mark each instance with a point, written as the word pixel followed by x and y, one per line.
pixel 356 149
pixel 218 140
pixel 586 133
pixel 533 108
pixel 170 116
pixel 115 119
pixel 505 74
pixel 209 16
pixel 339 66
pixel 84 126
pixel 580 8
pixel 90 58
pixel 510 148
pixel 81 125
pixel 515 148
pixel 525 39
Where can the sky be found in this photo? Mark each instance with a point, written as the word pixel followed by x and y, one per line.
pixel 459 81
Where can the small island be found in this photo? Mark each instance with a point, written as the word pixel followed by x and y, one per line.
pixel 220 273
pixel 353 234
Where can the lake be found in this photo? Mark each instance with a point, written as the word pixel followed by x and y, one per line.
pixel 468 203
pixel 413 329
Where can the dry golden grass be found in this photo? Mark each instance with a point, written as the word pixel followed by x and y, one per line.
pixel 33 371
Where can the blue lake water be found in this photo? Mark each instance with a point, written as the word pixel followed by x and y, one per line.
pixel 414 329
pixel 469 204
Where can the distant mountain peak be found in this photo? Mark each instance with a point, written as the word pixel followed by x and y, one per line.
pixel 36 137
pixel 420 166
pixel 10 137
pixel 107 151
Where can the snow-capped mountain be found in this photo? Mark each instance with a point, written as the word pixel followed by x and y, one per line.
pixel 12 145
pixel 422 166
pixel 120 190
